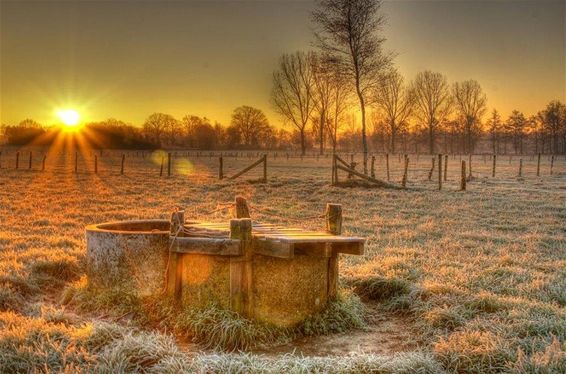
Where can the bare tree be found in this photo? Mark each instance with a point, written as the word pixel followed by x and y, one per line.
pixel 349 33
pixel 323 95
pixel 470 101
pixel 292 93
pixel 516 125
pixel 555 122
pixel 395 102
pixel 494 127
pixel 251 124
pixel 161 128
pixel 432 101
pixel 338 105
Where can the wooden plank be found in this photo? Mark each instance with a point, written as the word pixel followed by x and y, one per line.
pixel 247 169
pixel 360 175
pixel 356 248
pixel 273 248
pixel 207 246
pixel 241 269
pixel 314 249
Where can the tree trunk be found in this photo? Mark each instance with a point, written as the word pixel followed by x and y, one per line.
pixel 303 141
pixel 393 136
pixel 430 139
pixel 321 131
pixel 364 136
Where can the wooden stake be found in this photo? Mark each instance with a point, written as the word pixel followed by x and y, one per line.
pixel 220 168
pixel 551 164
pixel 122 164
pixel 161 169
pixel 431 169
pixel 169 164
pixel 445 168
pixel 493 168
pixel 405 171
pixel 95 164
pixel 242 210
pixel 463 177
pixel 373 166
pixel 241 269
pixel 175 265
pixel 43 162
pixel 387 165
pixel 30 157
pixel 538 165
pixel 439 172
pixel 470 166
pixel 334 227
pixel 17 160
pixel 520 167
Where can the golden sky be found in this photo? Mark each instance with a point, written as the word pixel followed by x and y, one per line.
pixel 128 59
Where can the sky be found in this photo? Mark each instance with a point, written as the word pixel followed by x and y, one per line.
pixel 126 59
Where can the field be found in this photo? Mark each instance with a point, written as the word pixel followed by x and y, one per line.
pixel 458 281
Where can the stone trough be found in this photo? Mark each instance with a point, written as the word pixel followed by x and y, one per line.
pixel 273 274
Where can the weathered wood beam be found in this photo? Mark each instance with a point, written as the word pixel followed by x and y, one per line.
pixel 241 268
pixel 273 248
pixel 207 246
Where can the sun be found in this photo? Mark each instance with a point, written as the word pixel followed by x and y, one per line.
pixel 69 117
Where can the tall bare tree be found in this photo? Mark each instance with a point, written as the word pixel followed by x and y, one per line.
pixel 433 101
pixel 516 125
pixel 338 105
pixel 292 93
pixel 349 32
pixel 323 95
pixel 251 124
pixel 555 122
pixel 395 102
pixel 470 101
pixel 494 126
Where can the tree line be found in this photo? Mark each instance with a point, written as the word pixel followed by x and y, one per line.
pixel 345 94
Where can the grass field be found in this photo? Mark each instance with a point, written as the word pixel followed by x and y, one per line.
pixel 454 281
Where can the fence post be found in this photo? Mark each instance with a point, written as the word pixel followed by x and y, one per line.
pixel 470 166
pixel 241 269
pixel 161 169
pixel 122 164
pixel 439 171
pixel 445 167
pixel 17 160
pixel 373 166
pixel 387 165
pixel 169 164
pixel 220 168
pixel 43 163
pixel 463 177
pixel 76 162
pixel 431 169
pixel 520 167
pixel 30 156
pixel 493 169
pixel 0 160
pixel 538 165
pixel 334 227
pixel 95 164
pixel 405 171
pixel 551 164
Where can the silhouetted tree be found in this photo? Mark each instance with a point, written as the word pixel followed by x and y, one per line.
pixel 555 123
pixel 293 93
pixel 495 126
pixel 160 128
pixel 349 32
pixel 252 126
pixel 470 101
pixel 395 102
pixel 516 125
pixel 432 101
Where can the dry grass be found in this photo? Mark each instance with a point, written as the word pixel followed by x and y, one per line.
pixel 482 274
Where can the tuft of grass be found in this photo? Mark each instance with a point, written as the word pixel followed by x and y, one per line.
pixel 345 313
pixel 379 288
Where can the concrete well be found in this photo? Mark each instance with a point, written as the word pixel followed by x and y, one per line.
pixel 128 255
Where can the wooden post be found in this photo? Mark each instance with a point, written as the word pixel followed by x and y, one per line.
pixel 76 162
pixel 334 227
pixel 169 164
pixel 373 166
pixel 0 160
pixel 43 162
pixel 242 210
pixel 520 167
pixel 175 265
pixel 445 167
pixel 431 169
pixel 463 177
pixel 265 168
pixel 439 172
pixel 551 164
pixel 387 165
pixel 405 171
pixel 493 168
pixel 95 164
pixel 538 165
pixel 30 157
pixel 241 269
pixel 161 169
pixel 220 168
pixel 122 164
pixel 17 160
